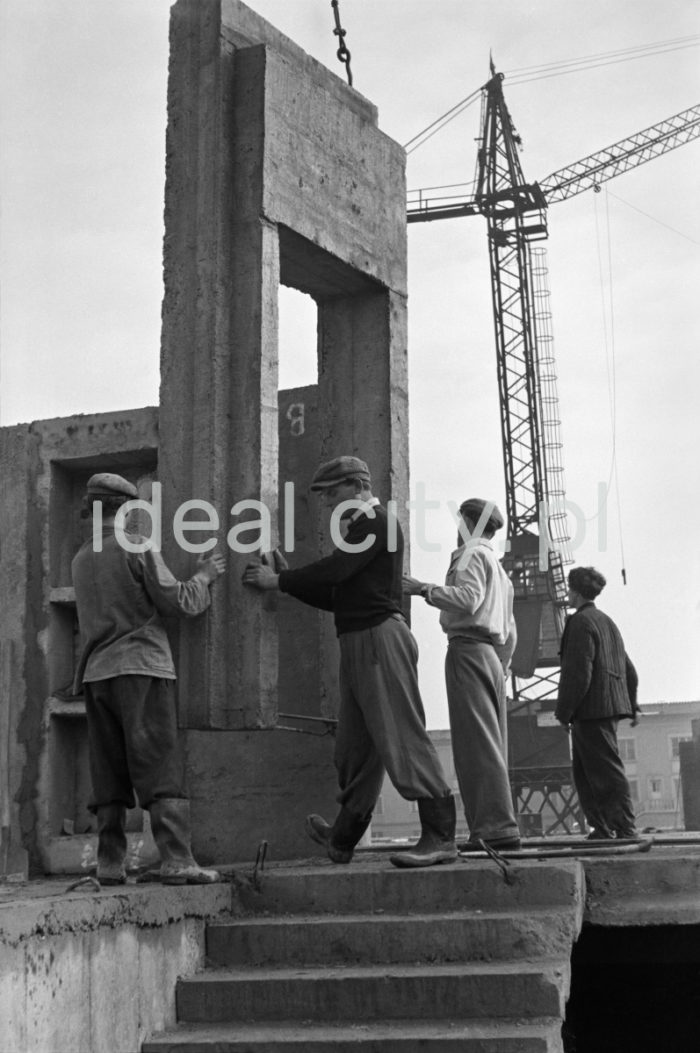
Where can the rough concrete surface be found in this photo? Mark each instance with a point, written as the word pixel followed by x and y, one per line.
pixel 94 972
pixel 658 888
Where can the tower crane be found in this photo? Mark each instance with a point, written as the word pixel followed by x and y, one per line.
pixel 516 215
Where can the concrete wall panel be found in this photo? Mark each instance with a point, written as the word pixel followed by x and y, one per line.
pixel 332 176
pixel 264 147
pixel 15 822
pixel 249 786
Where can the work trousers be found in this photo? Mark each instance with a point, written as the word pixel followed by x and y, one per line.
pixel 599 777
pixel 132 735
pixel 476 696
pixel 381 721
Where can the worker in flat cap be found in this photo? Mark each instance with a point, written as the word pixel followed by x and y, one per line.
pixel 476 613
pixel 597 688
pixel 127 674
pixel 381 721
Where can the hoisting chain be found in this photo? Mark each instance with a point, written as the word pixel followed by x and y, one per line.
pixel 342 52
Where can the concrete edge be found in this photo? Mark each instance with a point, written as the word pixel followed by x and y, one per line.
pixel 152 905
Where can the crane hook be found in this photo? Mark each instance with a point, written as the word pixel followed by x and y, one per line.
pixel 342 52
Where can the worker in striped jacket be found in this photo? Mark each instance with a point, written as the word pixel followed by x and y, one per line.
pixel 597 688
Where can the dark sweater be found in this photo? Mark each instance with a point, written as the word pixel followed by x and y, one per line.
pixel 362 588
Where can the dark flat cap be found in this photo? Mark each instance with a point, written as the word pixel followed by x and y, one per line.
pixel 107 484
pixel 333 472
pixel 474 507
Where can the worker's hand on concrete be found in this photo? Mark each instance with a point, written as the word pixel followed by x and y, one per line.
pixel 280 563
pixel 211 567
pixel 275 560
pixel 412 586
pixel 260 576
pixel 635 718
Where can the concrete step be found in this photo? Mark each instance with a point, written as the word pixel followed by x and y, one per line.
pixel 365 887
pixel 306 939
pixel 378 992
pixel 662 888
pixel 426 1036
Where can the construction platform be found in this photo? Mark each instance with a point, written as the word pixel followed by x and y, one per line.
pixel 304 955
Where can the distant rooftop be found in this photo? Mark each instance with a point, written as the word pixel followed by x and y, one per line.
pixel 693 704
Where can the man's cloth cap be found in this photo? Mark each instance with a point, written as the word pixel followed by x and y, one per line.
pixel 333 472
pixel 107 484
pixel 473 508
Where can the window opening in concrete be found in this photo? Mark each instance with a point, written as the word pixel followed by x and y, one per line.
pixel 297 341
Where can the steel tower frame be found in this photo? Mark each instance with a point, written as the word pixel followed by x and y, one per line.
pixel 537 547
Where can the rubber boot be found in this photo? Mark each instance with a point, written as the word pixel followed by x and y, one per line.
pixel 340 839
pixel 438 819
pixel 111 844
pixel 170 823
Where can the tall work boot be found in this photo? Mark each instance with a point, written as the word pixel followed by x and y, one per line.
pixel 438 819
pixel 340 839
pixel 111 844
pixel 170 823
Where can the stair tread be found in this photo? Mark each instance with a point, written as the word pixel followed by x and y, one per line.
pixel 264 973
pixel 376 1029
pixel 317 918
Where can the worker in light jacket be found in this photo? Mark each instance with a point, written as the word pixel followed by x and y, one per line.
pixel 476 614
pixel 597 688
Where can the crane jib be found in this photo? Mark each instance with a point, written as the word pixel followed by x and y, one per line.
pixel 436 203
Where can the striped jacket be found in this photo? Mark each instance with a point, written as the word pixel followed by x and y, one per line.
pixel 597 680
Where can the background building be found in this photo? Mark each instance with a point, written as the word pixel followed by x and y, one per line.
pixel 650 753
pixel 652 762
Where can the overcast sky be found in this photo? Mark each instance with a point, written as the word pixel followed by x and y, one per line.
pixel 83 129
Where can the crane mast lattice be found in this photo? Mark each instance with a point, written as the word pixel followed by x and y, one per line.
pixel 516 216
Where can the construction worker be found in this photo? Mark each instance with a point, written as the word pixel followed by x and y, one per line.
pixel 597 688
pixel 381 722
pixel 476 605
pixel 128 676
